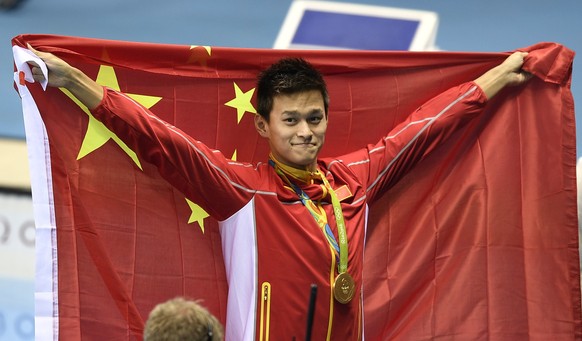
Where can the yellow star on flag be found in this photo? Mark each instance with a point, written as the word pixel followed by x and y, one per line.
pixel 200 54
pixel 242 102
pixel 97 134
pixel 198 214
pixel 233 158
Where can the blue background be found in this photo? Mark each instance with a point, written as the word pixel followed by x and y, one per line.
pixel 16 309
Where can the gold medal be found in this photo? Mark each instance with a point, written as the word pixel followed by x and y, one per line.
pixel 344 288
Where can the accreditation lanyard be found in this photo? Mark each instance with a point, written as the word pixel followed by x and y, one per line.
pixel 320 217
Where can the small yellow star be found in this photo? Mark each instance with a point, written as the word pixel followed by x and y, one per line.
pixel 242 102
pixel 200 54
pixel 198 214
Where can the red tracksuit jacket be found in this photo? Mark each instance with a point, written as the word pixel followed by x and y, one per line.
pixel 273 248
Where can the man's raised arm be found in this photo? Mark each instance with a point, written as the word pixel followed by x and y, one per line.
pixel 63 75
pixel 507 73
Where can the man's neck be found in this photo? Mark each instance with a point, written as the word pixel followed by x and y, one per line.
pixel 304 175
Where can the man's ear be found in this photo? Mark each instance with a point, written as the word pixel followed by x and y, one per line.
pixel 261 125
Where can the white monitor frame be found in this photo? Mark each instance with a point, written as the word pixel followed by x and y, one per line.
pixel 423 40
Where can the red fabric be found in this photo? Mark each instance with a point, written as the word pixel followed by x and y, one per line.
pixel 479 241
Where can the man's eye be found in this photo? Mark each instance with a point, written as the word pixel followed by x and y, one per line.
pixel 315 120
pixel 289 120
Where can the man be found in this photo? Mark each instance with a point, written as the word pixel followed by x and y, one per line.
pixel 297 219
pixel 179 319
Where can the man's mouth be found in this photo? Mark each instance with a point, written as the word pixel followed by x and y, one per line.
pixel 311 143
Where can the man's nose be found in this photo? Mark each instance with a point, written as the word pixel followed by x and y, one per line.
pixel 303 129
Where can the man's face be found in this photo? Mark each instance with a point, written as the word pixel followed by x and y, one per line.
pixel 296 128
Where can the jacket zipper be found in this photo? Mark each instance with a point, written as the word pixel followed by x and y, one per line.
pixel 265 311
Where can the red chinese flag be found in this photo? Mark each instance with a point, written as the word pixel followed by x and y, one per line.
pixel 479 241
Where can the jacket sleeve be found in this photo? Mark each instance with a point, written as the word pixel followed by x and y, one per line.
pixel 381 165
pixel 219 185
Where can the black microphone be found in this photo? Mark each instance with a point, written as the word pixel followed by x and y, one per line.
pixel 310 312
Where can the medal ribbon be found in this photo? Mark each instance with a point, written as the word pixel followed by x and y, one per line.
pixel 317 211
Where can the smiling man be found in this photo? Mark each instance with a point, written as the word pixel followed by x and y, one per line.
pixel 296 130
pixel 296 219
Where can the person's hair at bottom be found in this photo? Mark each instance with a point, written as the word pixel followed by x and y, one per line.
pixel 180 319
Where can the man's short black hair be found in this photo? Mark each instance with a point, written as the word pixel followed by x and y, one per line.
pixel 288 76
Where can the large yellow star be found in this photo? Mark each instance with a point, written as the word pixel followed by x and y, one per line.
pixel 198 214
pixel 242 102
pixel 97 134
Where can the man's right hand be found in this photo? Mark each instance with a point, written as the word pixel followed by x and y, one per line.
pixel 63 75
